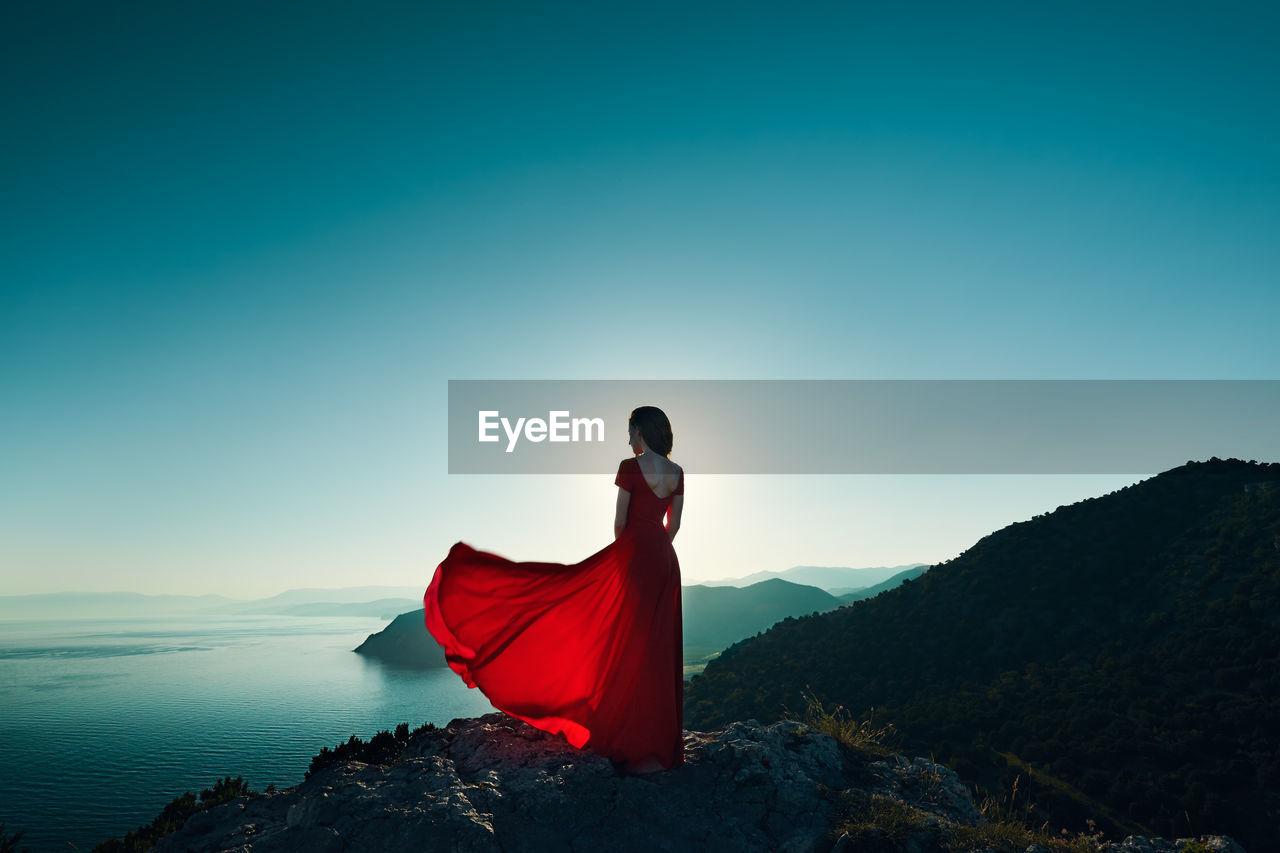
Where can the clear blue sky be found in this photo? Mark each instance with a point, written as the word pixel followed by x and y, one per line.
pixel 244 246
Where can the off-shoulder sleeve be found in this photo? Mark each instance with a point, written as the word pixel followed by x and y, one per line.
pixel 680 486
pixel 624 475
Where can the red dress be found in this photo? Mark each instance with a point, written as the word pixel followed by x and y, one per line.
pixel 592 649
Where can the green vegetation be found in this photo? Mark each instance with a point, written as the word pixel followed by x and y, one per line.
pixel 385 747
pixel 879 822
pixel 175 815
pixel 405 642
pixel 872 591
pixel 862 736
pixel 1195 847
pixel 1039 780
pixel 1120 656
pixel 715 616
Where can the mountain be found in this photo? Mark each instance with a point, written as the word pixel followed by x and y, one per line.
pixel 713 617
pixel 405 642
pixel 383 608
pixel 82 605
pixel 285 601
pixel 383 601
pixel 852 595
pixel 823 577
pixel 717 617
pixel 1122 652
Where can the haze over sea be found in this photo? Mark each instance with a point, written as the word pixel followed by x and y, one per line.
pixel 104 721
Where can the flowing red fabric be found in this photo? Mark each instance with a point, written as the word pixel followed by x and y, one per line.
pixel 592 650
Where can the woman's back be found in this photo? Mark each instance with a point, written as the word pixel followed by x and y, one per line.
pixel 662 475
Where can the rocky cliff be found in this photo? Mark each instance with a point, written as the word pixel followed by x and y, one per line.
pixel 497 784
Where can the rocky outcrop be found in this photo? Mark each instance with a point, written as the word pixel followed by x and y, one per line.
pixel 495 783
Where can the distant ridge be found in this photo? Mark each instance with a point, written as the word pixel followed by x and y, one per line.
pixel 713 617
pixel 342 595
pixel 53 605
pixel 348 601
pixel 720 616
pixel 872 591
pixel 290 600
pixel 823 577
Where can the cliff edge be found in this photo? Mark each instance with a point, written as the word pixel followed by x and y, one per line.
pixel 495 783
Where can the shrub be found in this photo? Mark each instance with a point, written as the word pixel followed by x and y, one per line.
pixel 175 814
pixel 383 748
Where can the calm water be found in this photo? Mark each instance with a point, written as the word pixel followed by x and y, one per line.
pixel 102 723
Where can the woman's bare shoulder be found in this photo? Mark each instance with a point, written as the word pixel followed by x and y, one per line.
pixel 664 465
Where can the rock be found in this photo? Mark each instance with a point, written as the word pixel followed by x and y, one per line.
pixel 928 786
pixel 1216 843
pixel 1134 844
pixel 495 783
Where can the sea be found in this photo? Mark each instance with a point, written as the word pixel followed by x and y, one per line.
pixel 104 722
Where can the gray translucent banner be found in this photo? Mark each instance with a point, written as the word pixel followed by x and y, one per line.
pixel 866 426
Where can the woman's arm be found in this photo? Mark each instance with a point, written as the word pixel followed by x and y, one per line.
pixel 673 516
pixel 620 514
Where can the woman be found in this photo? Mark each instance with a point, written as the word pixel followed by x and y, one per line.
pixel 592 650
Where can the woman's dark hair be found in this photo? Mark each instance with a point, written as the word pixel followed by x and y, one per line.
pixel 654 428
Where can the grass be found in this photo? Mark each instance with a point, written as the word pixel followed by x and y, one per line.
pixel 696 659
pixel 1009 827
pixel 876 821
pixel 863 736
pixel 879 822
pixel 1119 822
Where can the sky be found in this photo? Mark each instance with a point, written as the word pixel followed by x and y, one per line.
pixel 244 247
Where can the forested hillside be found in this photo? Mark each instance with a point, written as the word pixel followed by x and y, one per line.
pixel 1122 654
